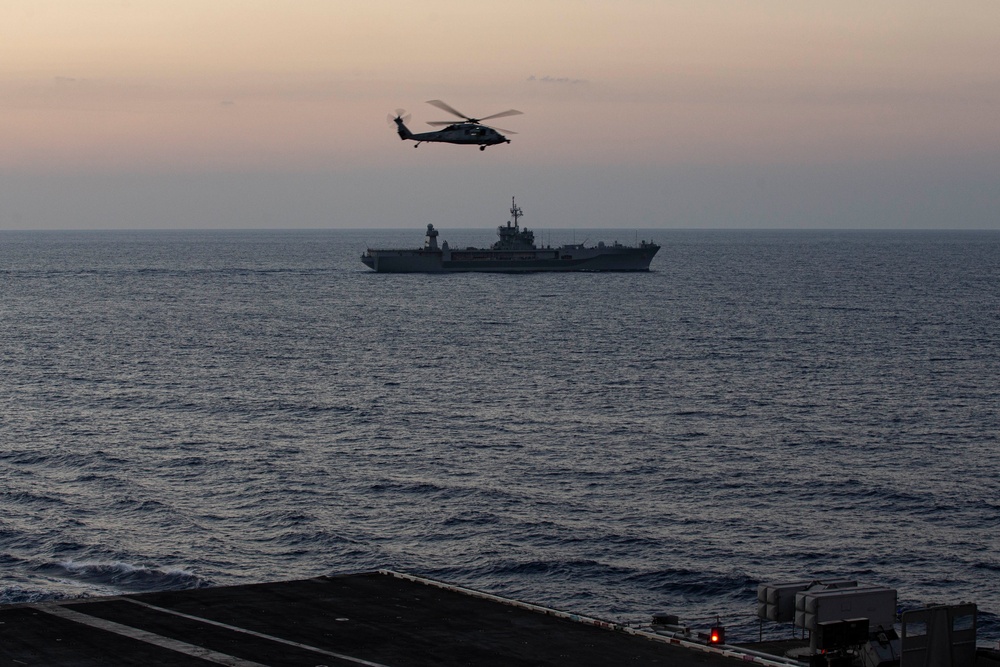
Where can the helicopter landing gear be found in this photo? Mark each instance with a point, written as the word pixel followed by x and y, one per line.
pixel 482 148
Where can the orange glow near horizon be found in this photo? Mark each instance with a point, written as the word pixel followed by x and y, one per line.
pixel 257 85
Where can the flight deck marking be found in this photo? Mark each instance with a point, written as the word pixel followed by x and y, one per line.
pixel 148 637
pixel 332 654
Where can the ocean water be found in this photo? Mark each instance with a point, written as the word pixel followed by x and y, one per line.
pixel 186 409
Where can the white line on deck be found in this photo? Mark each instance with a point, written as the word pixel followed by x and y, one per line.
pixel 339 656
pixel 148 637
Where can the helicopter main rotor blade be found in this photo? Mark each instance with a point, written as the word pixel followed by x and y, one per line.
pixel 508 112
pixel 444 107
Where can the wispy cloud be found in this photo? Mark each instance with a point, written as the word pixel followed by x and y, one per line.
pixel 556 79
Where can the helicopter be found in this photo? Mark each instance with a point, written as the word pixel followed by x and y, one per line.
pixel 468 131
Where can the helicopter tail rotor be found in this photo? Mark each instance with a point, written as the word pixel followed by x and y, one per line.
pixel 400 121
pixel 400 114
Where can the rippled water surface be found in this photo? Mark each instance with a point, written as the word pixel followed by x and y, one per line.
pixel 187 409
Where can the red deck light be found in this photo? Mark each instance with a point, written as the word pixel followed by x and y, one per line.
pixel 717 635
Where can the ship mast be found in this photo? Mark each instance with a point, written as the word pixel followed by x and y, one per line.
pixel 515 211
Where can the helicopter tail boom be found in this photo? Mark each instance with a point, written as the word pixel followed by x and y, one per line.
pixel 401 129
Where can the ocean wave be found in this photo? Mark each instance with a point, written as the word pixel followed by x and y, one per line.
pixel 697 584
pixel 640 442
pixel 22 595
pixel 126 577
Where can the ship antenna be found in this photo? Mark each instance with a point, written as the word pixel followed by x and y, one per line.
pixel 515 211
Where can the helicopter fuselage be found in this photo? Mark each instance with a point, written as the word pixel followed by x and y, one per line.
pixel 458 133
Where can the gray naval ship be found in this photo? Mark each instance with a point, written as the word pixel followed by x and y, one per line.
pixel 514 251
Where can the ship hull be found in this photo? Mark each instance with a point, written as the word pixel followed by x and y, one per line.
pixel 491 261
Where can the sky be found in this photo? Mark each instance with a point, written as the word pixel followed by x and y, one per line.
pixel 638 114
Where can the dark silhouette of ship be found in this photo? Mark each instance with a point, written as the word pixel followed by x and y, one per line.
pixel 514 251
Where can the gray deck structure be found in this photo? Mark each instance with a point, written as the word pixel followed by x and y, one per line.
pixel 375 618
